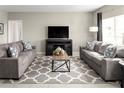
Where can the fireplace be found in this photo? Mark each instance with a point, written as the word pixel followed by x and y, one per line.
pixel 61 46
pixel 52 44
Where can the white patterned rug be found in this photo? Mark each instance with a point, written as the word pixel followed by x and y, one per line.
pixel 39 72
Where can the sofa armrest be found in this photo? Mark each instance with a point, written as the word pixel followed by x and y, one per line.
pixel 111 69
pixel 81 51
pixel 8 68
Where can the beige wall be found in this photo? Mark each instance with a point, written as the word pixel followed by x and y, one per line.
pixel 35 27
pixel 3 19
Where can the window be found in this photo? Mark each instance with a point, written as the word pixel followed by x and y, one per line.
pixel 120 29
pixel 15 30
pixel 113 30
pixel 108 30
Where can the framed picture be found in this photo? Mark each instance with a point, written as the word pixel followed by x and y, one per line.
pixel 1 28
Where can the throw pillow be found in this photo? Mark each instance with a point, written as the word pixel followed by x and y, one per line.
pixel 27 45
pixel 20 44
pixel 97 46
pixel 13 52
pixel 90 45
pixel 103 48
pixel 110 51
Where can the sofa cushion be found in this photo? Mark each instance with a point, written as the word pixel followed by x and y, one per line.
pixel 27 56
pixel 110 51
pixel 103 48
pixel 20 44
pixel 97 45
pixel 94 56
pixel 23 58
pixel 98 59
pixel 13 51
pixel 90 45
pixel 120 51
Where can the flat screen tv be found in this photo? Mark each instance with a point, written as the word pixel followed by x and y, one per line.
pixel 58 31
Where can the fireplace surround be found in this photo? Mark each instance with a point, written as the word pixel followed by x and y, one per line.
pixel 52 44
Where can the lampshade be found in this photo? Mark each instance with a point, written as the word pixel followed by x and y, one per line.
pixel 93 29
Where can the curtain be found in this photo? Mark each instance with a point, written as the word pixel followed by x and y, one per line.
pixel 99 24
pixel 15 30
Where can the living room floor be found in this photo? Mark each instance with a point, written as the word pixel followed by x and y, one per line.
pixel 39 72
pixel 59 86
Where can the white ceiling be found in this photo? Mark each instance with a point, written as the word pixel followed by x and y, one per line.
pixel 49 8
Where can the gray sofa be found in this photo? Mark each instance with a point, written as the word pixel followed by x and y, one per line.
pixel 15 67
pixel 107 68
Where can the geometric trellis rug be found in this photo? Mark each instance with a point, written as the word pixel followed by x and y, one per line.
pixel 39 72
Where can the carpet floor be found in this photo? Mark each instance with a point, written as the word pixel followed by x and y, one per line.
pixel 39 72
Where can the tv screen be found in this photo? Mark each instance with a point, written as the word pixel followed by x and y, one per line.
pixel 58 32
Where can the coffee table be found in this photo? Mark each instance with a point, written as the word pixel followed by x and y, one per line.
pixel 61 58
